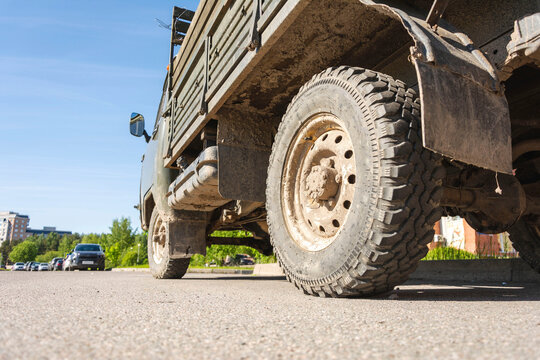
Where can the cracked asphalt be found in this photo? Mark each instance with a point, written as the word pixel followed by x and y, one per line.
pixel 113 315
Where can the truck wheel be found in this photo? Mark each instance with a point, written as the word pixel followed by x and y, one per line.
pixel 161 265
pixel 352 196
pixel 525 237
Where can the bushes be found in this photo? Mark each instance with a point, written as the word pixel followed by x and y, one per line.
pixel 449 253
pixel 48 256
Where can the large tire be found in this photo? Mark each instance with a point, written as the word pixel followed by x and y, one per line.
pixel 161 265
pixel 394 184
pixel 525 236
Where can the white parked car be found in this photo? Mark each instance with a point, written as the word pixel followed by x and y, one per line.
pixel 43 267
pixel 18 267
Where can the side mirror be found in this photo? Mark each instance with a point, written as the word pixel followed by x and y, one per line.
pixel 136 126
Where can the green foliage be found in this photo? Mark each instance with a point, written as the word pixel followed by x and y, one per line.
pixel 68 243
pixel 25 251
pixel 112 255
pixel 449 253
pixel 48 256
pixel 122 233
pixel 129 258
pixel 231 233
pixel 6 247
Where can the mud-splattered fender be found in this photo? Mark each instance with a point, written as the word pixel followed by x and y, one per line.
pixel 464 111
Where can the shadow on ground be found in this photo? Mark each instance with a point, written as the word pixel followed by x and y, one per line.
pixel 415 290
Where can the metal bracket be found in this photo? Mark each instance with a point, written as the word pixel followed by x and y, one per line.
pixel 436 12
pixel 171 128
pixel 255 36
pixel 204 105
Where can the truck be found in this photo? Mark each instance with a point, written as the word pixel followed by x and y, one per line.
pixel 338 132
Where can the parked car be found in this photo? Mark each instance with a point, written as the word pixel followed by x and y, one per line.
pixel 43 267
pixel 244 259
pixel 34 266
pixel 57 265
pixel 53 261
pixel 87 256
pixel 239 259
pixel 18 267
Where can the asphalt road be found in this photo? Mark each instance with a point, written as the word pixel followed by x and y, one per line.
pixel 109 315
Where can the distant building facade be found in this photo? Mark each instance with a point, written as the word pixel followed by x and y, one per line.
pixel 13 226
pixel 46 231
pixel 456 233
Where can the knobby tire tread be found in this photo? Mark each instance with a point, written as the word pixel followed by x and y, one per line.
pixel 410 179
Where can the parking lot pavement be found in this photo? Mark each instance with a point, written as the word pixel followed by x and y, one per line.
pixel 112 315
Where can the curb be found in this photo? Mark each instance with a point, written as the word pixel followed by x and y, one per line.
pixel 504 270
pixel 192 271
pixel 220 271
pixel 131 269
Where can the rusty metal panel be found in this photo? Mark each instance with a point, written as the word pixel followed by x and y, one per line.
pixel 187 234
pixel 244 147
pixel 242 172
pixel 463 120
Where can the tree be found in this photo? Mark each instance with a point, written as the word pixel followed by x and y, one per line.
pixel 6 247
pixel 52 241
pixel 112 255
pixel 25 251
pixel 68 242
pixel 122 233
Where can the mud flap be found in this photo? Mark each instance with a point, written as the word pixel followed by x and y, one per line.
pixel 463 120
pixel 187 234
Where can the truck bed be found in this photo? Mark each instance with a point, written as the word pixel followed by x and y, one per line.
pixel 214 54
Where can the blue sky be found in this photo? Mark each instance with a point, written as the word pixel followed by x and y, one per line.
pixel 71 72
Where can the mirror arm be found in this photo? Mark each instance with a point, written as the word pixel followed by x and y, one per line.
pixel 146 136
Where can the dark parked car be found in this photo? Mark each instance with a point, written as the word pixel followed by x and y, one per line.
pixel 244 259
pixel 239 259
pixel 34 266
pixel 87 256
pixel 53 261
pixel 57 265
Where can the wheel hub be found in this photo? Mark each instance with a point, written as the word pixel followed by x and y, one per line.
pixel 319 182
pixel 322 183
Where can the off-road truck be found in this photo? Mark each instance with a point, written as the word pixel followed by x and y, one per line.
pixel 338 132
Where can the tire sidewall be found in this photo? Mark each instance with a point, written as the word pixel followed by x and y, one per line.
pixel 330 262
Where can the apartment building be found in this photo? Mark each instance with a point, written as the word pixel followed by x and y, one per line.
pixel 13 226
